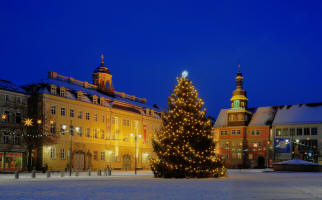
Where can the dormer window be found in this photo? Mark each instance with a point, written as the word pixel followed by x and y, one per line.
pixel 94 99
pixel 53 90
pixel 79 95
pixel 62 92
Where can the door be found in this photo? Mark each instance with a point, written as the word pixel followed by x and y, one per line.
pixel 79 161
pixel 126 162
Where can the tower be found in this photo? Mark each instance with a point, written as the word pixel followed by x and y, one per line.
pixel 238 114
pixel 102 77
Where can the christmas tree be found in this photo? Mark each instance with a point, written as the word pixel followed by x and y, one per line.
pixel 184 146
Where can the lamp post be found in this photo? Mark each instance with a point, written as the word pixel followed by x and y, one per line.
pixel 135 141
pixel 267 154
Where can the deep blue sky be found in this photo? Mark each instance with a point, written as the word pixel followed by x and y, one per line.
pixel 148 44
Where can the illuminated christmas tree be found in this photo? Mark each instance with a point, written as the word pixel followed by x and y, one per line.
pixel 184 146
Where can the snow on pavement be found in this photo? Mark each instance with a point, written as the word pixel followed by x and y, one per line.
pixel 240 184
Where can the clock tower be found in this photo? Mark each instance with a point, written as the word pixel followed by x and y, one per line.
pixel 238 114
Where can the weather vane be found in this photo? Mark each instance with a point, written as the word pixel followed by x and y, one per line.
pixel 102 57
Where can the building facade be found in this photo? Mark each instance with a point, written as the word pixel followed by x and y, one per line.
pixel 242 133
pixel 13 109
pixel 298 132
pixel 93 125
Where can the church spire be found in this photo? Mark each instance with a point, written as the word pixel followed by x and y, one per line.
pixel 239 99
pixel 102 57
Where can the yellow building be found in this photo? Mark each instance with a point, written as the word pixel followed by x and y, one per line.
pixel 103 127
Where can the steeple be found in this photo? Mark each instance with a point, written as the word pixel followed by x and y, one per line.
pixel 238 115
pixel 102 77
pixel 239 99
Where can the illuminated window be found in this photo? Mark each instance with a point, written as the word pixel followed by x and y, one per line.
pixel 62 111
pixel 126 122
pixel 53 129
pixel 239 155
pixel 52 152
pixel 62 92
pixel 53 110
pixel 102 155
pixel 284 132
pixel 88 132
pixel 62 153
pixel 87 116
pixel 278 132
pixel 235 132
pixel 62 129
pixel 80 115
pixel 102 135
pixel 71 113
pixel 223 132
pixel 53 90
pixel 95 155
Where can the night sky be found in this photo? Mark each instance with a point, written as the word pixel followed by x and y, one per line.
pixel 148 44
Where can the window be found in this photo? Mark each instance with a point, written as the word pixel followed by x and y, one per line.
pixel 278 132
pixel 239 156
pixel 314 131
pixel 223 132
pixel 52 153
pixel 53 128
pixel 62 129
pixel 235 132
pixel 18 100
pixel 88 132
pixel 102 135
pixel 95 133
pixel 71 113
pixel 102 155
pixel 18 117
pixel 103 118
pixel 80 115
pixel 80 131
pixel 6 97
pixel 62 154
pixel 299 131
pixel 95 117
pixel 62 111
pixel 285 132
pixel 95 155
pixel 126 122
pixel 94 100
pixel 306 131
pixel 79 96
pixel 115 120
pixel 258 132
pixel 53 90
pixel 292 131
pixel 5 138
pixel 253 132
pixel 87 116
pixel 62 92
pixel 250 156
pixel 16 139
pixel 53 110
pixel 7 116
pixel 71 130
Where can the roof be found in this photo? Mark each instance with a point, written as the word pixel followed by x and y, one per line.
pixel 222 118
pixel 263 116
pixel 299 114
pixel 72 90
pixel 7 85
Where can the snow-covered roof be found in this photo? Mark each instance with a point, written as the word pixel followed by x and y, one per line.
pixel 263 116
pixel 7 85
pixel 299 114
pixel 296 162
pixel 72 90
pixel 222 120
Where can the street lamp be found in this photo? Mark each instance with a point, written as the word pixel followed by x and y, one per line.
pixel 135 140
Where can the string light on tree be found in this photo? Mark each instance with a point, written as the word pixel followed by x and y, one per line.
pixel 184 146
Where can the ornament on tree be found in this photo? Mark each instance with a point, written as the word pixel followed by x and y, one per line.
pixel 184 146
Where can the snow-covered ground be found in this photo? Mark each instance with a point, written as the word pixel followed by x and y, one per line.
pixel 240 184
